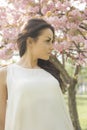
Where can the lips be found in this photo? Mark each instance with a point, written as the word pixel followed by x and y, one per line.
pixel 49 52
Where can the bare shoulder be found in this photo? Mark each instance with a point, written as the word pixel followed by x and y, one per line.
pixel 3 74
pixel 3 70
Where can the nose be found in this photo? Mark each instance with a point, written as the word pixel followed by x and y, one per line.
pixel 51 46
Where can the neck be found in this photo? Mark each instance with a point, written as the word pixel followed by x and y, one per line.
pixel 28 61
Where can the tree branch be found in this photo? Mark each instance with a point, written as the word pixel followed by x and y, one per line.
pixel 59 66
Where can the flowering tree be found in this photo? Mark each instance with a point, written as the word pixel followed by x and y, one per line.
pixel 70 23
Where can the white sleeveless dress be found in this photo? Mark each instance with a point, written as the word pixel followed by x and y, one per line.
pixel 35 101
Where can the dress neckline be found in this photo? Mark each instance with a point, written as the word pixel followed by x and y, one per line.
pixel 25 68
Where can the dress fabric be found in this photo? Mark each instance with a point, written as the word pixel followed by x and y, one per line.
pixel 35 101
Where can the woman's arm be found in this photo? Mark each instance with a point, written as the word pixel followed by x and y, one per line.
pixel 3 97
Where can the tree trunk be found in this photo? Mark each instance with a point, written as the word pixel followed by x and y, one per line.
pixel 71 83
pixel 73 106
pixel 72 99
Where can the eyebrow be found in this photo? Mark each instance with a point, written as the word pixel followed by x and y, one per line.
pixel 49 37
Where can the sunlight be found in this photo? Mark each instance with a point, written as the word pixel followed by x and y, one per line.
pixel 3 3
pixel 79 5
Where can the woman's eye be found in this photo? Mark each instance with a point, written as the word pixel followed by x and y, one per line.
pixel 53 41
pixel 47 40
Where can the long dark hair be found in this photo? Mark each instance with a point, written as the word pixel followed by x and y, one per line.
pixel 33 29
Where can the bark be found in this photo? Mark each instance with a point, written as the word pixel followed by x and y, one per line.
pixel 73 105
pixel 72 100
pixel 59 66
pixel 70 82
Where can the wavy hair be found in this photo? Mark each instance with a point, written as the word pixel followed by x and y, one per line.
pixel 33 29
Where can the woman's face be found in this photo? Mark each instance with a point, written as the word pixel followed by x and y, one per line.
pixel 43 46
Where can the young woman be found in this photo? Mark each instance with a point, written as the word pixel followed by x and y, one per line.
pixel 30 95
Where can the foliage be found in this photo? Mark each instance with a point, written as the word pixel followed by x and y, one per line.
pixel 70 24
pixel 81 106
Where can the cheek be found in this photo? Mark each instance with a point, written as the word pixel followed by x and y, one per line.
pixel 41 49
pixel 45 46
pixel 44 49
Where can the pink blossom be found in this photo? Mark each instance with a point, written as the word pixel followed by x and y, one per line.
pixel 61 46
pixel 67 3
pixel 1 44
pixel 86 1
pixel 10 46
pixel 81 57
pixel 5 54
pixel 85 41
pixel 2 14
pixel 65 19
pixel 75 16
pixel 62 6
pixel 34 9
pixel 3 20
pixel 81 61
pixel 54 21
pixel 10 33
pixel 22 3
pixel 85 12
pixel 2 53
pixel 44 9
pixel 77 39
pixel 58 4
pixel 43 1
pixel 71 25
pixel 51 5
pixel 85 45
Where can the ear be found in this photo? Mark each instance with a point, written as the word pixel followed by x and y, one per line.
pixel 29 40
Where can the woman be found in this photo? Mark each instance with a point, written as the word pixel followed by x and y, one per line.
pixel 31 87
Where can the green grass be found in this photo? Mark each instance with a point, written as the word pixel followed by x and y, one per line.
pixel 82 110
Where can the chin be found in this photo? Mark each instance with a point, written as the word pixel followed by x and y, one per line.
pixel 46 58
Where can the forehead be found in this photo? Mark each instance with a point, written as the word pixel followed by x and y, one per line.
pixel 46 33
